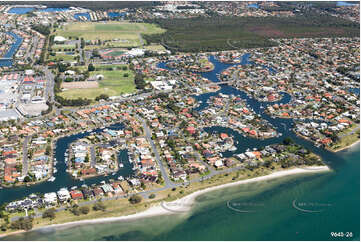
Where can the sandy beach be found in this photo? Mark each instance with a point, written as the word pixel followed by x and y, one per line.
pixel 346 147
pixel 184 204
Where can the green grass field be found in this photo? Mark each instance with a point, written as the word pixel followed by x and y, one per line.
pixel 62 57
pixel 123 34
pixel 113 84
pixel 155 47
pixel 62 47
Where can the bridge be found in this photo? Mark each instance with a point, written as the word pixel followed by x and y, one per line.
pixel 217 83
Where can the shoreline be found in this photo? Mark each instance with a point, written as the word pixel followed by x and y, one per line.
pixel 182 205
pixel 344 148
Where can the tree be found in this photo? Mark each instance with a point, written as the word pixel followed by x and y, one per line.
pixel 91 67
pixel 75 210
pixel 48 150
pixel 151 196
pixel 27 179
pixel 135 199
pixel 84 210
pixel 288 141
pixel 99 206
pixel 50 213
pixel 102 96
pixel 22 223
pixel 139 81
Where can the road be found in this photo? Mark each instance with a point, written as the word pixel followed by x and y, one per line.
pixel 25 168
pixel 148 135
pixel 92 156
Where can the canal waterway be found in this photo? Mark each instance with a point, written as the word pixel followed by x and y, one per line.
pixel 64 179
pixel 338 192
pixel 6 60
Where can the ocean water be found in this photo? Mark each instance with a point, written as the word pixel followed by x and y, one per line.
pixel 302 207
pixel 267 212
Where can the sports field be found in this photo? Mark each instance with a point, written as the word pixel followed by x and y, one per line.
pixel 121 34
pixel 113 84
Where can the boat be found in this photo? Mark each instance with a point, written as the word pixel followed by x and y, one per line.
pixel 74 187
pixel 81 179
pixel 102 182
pixel 134 168
pixel 51 179
pixel 113 173
pixel 121 165
pixel 120 178
pixel 233 148
pixel 55 170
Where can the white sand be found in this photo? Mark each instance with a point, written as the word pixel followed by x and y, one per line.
pixel 184 204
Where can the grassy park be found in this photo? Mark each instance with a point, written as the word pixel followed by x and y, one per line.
pixel 121 34
pixel 116 82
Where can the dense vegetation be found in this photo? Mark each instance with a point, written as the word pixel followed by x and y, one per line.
pixel 42 29
pixel 227 33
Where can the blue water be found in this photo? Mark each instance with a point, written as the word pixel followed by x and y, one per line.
pixel 77 15
pixel 53 10
pixel 63 179
pixel 115 14
pixel 355 91
pixel 253 5
pixel 4 61
pixel 211 219
pixel 342 3
pixel 20 10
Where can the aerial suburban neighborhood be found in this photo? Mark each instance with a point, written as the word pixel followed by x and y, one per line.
pixel 111 109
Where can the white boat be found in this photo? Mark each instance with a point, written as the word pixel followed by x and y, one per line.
pixel 55 170
pixel 113 173
pixel 102 182
pixel 121 165
pixel 233 148
pixel 74 187
pixel 134 168
pixel 81 179
pixel 120 178
pixel 51 179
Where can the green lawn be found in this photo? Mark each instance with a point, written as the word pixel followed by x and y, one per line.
pixel 62 57
pixel 122 34
pixel 113 84
pixel 62 47
pixel 155 47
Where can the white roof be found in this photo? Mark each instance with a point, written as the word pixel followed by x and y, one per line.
pixel 59 39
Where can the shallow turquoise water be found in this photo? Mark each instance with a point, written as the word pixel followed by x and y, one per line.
pixel 272 218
